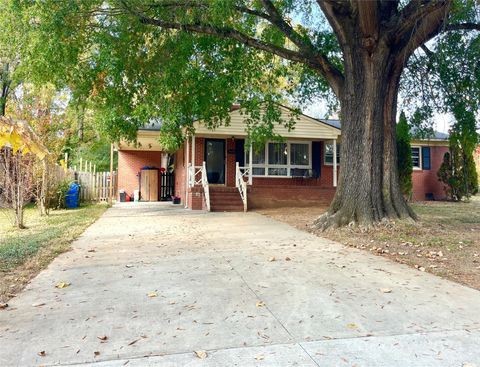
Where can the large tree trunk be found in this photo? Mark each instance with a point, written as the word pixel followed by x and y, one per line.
pixel 368 190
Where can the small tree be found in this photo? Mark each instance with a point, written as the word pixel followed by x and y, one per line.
pixel 458 170
pixel 404 155
pixel 17 185
pixel 19 147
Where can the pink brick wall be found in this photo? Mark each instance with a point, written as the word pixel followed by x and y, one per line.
pixel 277 191
pixel 129 164
pixel 180 165
pixel 426 181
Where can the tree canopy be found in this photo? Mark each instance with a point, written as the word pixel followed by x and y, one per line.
pixel 182 60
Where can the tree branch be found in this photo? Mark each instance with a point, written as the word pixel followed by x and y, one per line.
pixel 416 13
pixel 199 4
pixel 463 26
pixel 230 33
pixel 306 55
pixel 423 29
pixel 427 51
pixel 330 72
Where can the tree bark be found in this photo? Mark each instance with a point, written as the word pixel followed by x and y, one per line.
pixel 368 190
pixel 4 88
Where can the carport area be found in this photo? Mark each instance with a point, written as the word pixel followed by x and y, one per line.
pixel 150 283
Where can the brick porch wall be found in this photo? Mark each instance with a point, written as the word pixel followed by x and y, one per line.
pixel 426 181
pixel 273 191
pixel 265 191
pixel 129 164
pixel 180 175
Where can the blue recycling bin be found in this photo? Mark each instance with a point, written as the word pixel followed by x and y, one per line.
pixel 72 198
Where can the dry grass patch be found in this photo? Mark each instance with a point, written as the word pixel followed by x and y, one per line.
pixel 445 241
pixel 24 253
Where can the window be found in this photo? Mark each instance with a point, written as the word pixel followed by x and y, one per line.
pixel 329 154
pixel 281 159
pixel 299 154
pixel 416 158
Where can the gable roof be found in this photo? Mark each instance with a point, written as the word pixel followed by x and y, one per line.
pixel 306 127
pixel 152 125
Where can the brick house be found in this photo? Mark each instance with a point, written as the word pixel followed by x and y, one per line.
pixel 132 157
pixel 216 170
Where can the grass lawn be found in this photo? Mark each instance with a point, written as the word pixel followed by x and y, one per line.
pixel 24 253
pixel 445 241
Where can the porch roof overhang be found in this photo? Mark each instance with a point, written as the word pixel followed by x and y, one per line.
pixel 306 127
pixel 146 140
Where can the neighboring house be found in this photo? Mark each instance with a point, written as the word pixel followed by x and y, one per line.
pixel 216 170
pixel 476 158
pixel 427 157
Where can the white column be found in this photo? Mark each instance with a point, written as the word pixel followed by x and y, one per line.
pixel 186 159
pixel 334 162
pixel 193 151
pixel 250 157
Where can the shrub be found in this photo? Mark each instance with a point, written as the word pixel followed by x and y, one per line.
pixel 458 171
pixel 404 155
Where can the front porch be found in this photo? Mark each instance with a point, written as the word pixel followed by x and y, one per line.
pixel 229 176
pixel 218 169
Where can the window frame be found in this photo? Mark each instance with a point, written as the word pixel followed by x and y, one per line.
pixel 288 166
pixel 325 154
pixel 419 167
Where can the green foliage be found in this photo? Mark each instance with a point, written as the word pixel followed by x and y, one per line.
pixel 458 171
pixel 404 155
pixel 446 72
pixel 60 191
pixel 131 72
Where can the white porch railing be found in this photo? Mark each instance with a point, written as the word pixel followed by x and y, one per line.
pixel 241 184
pixel 206 189
pixel 194 175
pixel 197 175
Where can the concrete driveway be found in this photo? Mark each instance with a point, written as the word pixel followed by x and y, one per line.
pixel 161 282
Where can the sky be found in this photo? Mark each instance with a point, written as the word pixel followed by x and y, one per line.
pixel 318 109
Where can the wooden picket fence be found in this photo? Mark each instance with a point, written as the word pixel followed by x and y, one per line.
pixel 95 186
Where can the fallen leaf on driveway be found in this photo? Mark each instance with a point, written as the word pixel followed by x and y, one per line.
pixel 259 357
pixel 152 294
pixel 287 259
pixel 96 353
pixel 352 326
pixel 3 305
pixel 62 285
pixel 42 353
pixel 134 341
pixel 103 337
pixel 260 304
pixel 201 354
pixel 385 290
pixel 272 259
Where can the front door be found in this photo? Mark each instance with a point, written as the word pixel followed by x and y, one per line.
pixel 215 160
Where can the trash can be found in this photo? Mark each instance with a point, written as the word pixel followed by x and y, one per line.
pixel 72 198
pixel 123 195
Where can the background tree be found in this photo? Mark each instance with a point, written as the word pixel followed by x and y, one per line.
pixel 404 153
pixel 181 60
pixel 13 38
pixel 458 171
